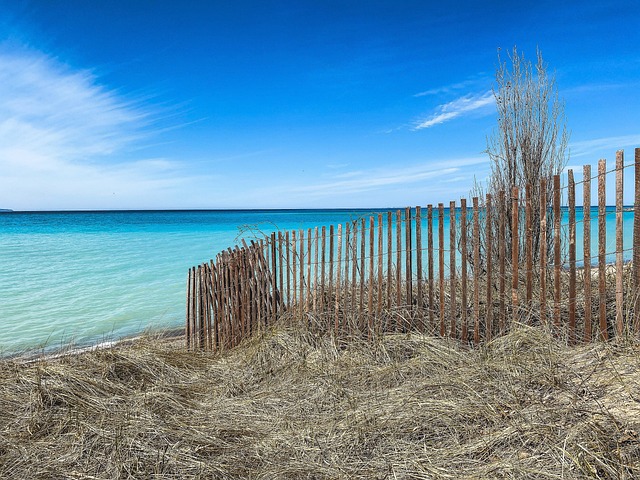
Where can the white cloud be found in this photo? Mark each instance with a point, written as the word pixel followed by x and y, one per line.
pixel 455 109
pixel 445 88
pixel 474 81
pixel 66 141
pixel 606 144
pixel 359 181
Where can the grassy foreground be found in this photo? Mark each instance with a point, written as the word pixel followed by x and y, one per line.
pixel 293 405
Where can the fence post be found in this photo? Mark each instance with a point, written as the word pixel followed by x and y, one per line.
pixel 331 258
pixel 430 262
pixel 572 258
pixel 489 240
pixel 452 269
pixel 636 240
pixel 338 281
pixel 347 258
pixel 399 259
pixel 363 224
pixel 281 270
pixel 602 241
pixel 419 302
pixel 370 312
pixel 389 259
pixel 543 251
pixel 463 256
pixel 354 268
pixel 619 245
pixel 323 262
pixel 529 244
pixel 309 301
pixel 502 256
pixel 476 272
pixel 245 326
pixel 218 304
pixel 515 254
pixel 188 312
pixel 287 242
pixel 380 263
pixel 274 267
pixel 441 264
pixel 409 276
pixel 586 220
pixel 303 293
pixel 556 251
pixel 316 235
pixel 372 233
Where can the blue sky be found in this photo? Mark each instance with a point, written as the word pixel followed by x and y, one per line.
pixel 289 104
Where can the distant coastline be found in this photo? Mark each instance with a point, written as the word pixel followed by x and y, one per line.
pixel 5 210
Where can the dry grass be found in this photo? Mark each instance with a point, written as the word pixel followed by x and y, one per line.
pixel 294 405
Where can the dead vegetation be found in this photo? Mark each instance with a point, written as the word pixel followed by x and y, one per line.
pixel 292 404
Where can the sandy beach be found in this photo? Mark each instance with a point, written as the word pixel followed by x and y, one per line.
pixel 295 405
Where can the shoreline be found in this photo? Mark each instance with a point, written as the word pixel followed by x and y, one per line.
pixel 31 356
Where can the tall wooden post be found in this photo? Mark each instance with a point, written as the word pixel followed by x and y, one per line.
pixel 636 239
pixel 556 251
pixel 586 220
pixel 452 270
pixel 463 256
pixel 441 264
pixel 476 272
pixel 619 245
pixel 419 301
pixel 602 242
pixel 515 253
pixel 572 258
pixel 430 263
pixel 489 240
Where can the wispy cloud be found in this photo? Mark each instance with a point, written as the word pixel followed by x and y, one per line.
pixel 379 179
pixel 66 141
pixel 457 108
pixel 597 145
pixel 472 82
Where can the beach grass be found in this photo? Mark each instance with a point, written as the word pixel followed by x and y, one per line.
pixel 293 404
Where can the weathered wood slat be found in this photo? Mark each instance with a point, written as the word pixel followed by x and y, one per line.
pixel 502 258
pixel 441 265
pixel 528 245
pixel 463 269
pixel 515 256
pixel 336 319
pixel 389 260
pixel 619 245
pixel 452 270
pixel 477 271
pixel 430 282
pixel 408 260
pixel 602 253
pixel 572 257
pixel 586 220
pixel 399 261
pixel 543 251
pixel 380 264
pixel 419 293
pixel 489 296
pixel 557 286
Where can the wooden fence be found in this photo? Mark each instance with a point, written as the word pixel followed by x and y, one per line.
pixel 375 275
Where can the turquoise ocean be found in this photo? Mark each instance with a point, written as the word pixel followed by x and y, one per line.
pixel 86 277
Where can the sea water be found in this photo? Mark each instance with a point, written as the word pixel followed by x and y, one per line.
pixel 86 277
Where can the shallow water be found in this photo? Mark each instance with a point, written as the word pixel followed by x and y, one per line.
pixel 90 276
pixel 86 277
